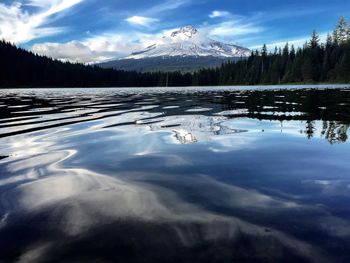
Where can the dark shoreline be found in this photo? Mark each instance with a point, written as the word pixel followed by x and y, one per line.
pixel 151 87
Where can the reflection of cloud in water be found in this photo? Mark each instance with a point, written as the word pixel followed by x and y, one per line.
pixel 80 207
pixel 335 226
pixel 238 197
pixel 330 187
pixel 80 200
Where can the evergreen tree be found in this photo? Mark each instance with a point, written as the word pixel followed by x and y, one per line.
pixel 315 40
pixel 264 51
pixel 341 31
pixel 263 58
pixel 292 53
pixel 329 41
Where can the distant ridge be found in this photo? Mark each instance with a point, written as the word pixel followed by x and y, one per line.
pixel 167 63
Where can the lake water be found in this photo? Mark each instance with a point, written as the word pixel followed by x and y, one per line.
pixel 227 174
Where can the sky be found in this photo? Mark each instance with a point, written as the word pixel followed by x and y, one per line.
pixel 90 31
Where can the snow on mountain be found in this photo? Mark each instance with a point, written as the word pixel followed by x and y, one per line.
pixel 188 41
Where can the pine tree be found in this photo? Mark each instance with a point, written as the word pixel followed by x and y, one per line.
pixel 315 40
pixel 341 31
pixel 329 41
pixel 285 51
pixel 264 51
pixel 327 65
pixel 292 53
pixel 335 37
pixel 263 60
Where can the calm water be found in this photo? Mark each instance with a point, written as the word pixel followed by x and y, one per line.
pixel 175 175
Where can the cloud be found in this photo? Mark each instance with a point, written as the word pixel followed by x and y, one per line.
pixel 217 13
pixel 19 26
pixel 141 20
pixel 146 20
pixel 233 28
pixel 168 5
pixel 82 52
pixel 97 48
pixel 73 51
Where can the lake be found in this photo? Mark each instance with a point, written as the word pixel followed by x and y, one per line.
pixel 212 174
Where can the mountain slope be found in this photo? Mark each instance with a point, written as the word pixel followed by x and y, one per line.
pixel 167 63
pixel 185 49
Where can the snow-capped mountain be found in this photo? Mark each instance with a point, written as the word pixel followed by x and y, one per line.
pixel 188 41
pixel 185 49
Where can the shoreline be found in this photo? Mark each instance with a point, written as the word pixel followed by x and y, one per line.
pixel 177 87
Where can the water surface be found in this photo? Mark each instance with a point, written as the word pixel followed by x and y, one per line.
pixel 227 174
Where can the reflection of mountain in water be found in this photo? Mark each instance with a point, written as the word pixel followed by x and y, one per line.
pixel 194 128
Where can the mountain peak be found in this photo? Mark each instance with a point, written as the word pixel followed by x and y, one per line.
pixel 187 41
pixel 186 31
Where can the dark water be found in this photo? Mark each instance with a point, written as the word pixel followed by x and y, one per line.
pixel 175 175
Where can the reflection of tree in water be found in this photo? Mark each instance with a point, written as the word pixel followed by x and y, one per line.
pixel 332 131
pixel 335 132
pixel 330 106
pixel 310 129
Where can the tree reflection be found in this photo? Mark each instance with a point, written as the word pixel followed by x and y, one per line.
pixel 310 129
pixel 332 131
pixel 331 106
pixel 335 132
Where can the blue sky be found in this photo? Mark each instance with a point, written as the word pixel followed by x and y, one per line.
pixel 95 30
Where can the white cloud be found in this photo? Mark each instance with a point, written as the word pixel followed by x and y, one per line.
pixel 141 20
pixel 19 26
pixel 73 51
pixel 233 29
pixel 146 19
pixel 217 13
pixel 168 5
pixel 97 48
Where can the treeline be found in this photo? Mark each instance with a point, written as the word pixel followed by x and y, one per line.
pixel 315 62
pixel 20 68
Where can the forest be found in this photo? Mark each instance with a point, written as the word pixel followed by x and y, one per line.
pixel 315 62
